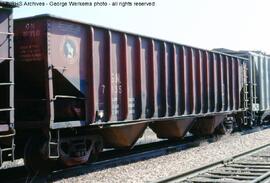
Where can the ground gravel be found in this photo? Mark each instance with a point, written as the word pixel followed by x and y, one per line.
pixel 10 164
pixel 161 167
pixel 148 137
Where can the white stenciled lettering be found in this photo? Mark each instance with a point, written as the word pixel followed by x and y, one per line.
pixel 116 83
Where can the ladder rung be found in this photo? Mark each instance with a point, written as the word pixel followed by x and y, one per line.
pixel 68 97
pixel 53 143
pixel 64 68
pixel 6 109
pixel 7 149
pixel 6 84
pixel 3 58
pixel 7 33
pixel 6 136
pixel 54 157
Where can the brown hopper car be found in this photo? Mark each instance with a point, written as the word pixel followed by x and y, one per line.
pixel 108 86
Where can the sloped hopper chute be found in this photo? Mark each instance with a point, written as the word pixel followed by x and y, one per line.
pixel 69 100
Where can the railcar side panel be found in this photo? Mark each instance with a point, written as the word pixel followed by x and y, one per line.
pixel 31 96
pixel 258 76
pixel 170 79
pixel 133 77
pixel 100 75
pixel 67 55
pixel 261 62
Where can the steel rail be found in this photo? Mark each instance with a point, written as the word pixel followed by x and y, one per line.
pixel 139 153
pixel 113 158
pixel 231 171
pixel 109 159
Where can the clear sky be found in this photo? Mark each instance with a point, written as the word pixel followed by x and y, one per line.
pixel 232 24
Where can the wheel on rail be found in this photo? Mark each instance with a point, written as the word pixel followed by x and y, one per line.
pixel 226 127
pixel 96 150
pixel 34 160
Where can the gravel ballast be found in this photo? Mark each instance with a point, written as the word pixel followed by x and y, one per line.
pixel 9 164
pixel 164 166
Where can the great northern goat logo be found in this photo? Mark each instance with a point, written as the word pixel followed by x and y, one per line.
pixel 69 50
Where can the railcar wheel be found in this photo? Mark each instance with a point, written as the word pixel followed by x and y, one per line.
pixel 226 127
pixel 34 161
pixel 97 149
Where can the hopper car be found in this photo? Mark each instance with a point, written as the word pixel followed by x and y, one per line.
pixel 258 84
pixel 80 88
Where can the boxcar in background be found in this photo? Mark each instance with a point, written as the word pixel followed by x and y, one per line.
pixel 7 131
pixel 81 87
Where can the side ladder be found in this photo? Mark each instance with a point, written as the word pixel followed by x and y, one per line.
pixel 7 131
pixel 247 119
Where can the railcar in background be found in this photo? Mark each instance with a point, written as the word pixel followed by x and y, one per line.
pixel 82 87
pixel 258 84
pixel 7 131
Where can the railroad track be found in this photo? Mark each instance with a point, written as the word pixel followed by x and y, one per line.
pixel 113 158
pixel 108 159
pixel 248 167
